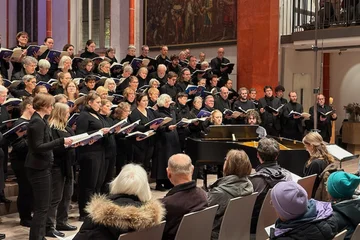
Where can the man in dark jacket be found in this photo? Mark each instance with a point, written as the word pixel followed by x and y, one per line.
pixel 300 218
pixel 270 119
pixel 292 123
pixel 267 175
pixel 341 187
pixel 184 197
pixel 325 116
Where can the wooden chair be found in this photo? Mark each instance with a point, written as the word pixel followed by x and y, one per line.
pixel 237 218
pixel 267 217
pixel 308 183
pixel 356 233
pixel 340 236
pixel 153 233
pixel 197 225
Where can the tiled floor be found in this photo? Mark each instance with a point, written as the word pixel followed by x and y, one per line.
pixel 10 223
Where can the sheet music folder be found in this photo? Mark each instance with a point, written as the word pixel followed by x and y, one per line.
pixel 226 132
pixel 340 154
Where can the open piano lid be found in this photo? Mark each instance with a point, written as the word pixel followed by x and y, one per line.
pixel 232 132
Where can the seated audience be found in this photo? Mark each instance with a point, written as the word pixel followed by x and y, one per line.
pixel 300 218
pixel 128 208
pixel 184 197
pixel 235 183
pixel 341 187
pixel 267 175
pixel 319 159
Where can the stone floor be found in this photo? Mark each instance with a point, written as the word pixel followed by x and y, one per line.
pixel 10 223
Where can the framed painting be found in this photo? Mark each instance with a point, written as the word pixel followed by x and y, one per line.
pixel 189 22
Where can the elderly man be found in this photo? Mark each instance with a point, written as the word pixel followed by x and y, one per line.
pixel 124 79
pixel 130 54
pixel 184 197
pixel 267 175
pixel 325 116
pixel 218 69
pixel 160 74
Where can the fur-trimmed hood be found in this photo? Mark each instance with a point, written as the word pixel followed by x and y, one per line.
pixel 105 212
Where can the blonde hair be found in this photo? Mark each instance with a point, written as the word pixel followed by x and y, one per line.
pixel 64 59
pixel 102 64
pixel 58 119
pixel 318 148
pixel 101 90
pixel 212 117
pixel 127 91
pixel 132 180
pixel 237 163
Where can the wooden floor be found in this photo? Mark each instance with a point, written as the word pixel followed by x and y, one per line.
pixel 10 223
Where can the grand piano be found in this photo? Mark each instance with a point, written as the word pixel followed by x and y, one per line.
pixel 213 147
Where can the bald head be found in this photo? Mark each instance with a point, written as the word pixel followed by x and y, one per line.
pixel 180 164
pixel 220 52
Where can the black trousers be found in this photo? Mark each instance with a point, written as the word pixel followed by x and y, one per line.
pixel 109 173
pixel 64 205
pixel 57 187
pixel 25 196
pixel 91 177
pixel 40 181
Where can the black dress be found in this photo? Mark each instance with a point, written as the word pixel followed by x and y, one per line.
pixel 167 144
pixel 110 154
pixel 17 157
pixel 142 150
pixel 91 158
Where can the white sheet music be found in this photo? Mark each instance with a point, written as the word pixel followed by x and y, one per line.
pixel 338 152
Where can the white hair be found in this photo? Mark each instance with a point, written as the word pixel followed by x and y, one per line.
pixel 131 47
pixel 29 60
pixel 28 77
pixel 128 68
pixel 3 89
pixel 162 98
pixel 161 66
pixel 132 180
pixel 43 63
pixel 62 60
pixel 108 81
pixel 151 82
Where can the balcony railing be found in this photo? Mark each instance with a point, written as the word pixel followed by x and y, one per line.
pixel 299 15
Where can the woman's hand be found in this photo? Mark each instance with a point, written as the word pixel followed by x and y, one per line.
pixel 105 130
pixel 172 127
pixel 154 126
pixel 67 142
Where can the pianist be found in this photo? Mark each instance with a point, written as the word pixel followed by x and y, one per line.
pixel 267 175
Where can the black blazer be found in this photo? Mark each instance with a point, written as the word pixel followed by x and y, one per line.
pixel 40 143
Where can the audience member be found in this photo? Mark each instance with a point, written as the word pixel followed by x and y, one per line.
pixel 184 197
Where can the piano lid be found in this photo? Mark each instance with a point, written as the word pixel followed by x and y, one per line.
pixel 232 132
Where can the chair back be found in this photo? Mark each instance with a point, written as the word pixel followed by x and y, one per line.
pixel 153 233
pixel 340 235
pixel 267 217
pixel 308 183
pixel 197 225
pixel 237 218
pixel 356 233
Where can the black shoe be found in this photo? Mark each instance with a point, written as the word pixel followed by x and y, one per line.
pixel 4 200
pixel 65 227
pixel 2 236
pixel 25 223
pixel 160 187
pixel 52 232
